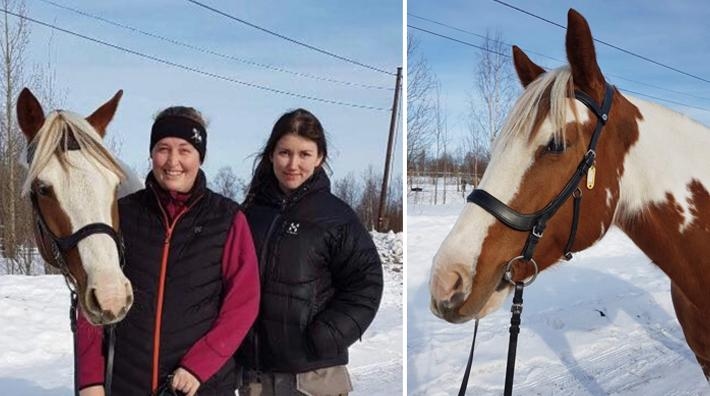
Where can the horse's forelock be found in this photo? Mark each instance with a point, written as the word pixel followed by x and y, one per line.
pixel 548 94
pixel 49 140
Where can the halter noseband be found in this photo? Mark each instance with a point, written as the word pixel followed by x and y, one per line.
pixel 536 222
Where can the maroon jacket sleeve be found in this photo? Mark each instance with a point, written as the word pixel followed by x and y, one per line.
pixel 240 273
pixel 91 358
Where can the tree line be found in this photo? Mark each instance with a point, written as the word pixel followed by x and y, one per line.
pixel 438 155
pixel 361 192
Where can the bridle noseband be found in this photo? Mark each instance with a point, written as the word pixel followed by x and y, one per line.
pixel 535 223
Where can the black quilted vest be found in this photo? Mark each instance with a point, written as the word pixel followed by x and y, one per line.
pixel 192 291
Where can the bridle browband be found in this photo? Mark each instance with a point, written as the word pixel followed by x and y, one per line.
pixel 58 249
pixel 535 223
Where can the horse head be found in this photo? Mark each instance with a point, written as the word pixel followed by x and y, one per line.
pixel 73 180
pixel 535 156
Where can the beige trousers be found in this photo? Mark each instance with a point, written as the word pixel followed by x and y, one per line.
pixel 330 381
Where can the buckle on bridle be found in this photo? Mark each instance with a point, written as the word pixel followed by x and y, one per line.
pixel 508 275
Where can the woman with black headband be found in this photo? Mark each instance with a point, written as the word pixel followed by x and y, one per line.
pixel 191 261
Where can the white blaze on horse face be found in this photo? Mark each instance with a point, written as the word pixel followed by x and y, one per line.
pixel 86 195
pixel 511 158
pixel 651 169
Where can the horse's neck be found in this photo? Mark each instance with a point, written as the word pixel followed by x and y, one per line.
pixel 131 184
pixel 664 204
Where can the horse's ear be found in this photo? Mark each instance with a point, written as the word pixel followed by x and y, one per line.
pixel 30 115
pixel 582 57
pixel 100 118
pixel 527 70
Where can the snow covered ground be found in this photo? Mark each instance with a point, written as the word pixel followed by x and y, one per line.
pixel 36 355
pixel 602 324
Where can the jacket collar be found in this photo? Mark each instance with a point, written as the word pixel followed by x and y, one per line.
pixel 186 199
pixel 272 194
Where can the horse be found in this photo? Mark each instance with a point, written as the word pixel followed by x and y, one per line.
pixel 627 162
pixel 73 182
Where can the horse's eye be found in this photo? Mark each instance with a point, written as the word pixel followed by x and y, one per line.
pixel 43 189
pixel 555 146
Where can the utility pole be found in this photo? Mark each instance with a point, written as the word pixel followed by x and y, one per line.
pixel 388 155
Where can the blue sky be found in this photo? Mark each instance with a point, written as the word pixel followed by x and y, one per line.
pixel 674 33
pixel 240 117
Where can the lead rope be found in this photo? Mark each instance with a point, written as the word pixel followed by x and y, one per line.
pixel 109 359
pixel 72 321
pixel 516 309
pixel 464 383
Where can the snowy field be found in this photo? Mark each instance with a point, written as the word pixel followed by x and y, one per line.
pixel 36 355
pixel 602 324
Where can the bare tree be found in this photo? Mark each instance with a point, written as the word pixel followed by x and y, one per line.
pixel 492 97
pixel 346 189
pixel 394 217
pixel 370 198
pixel 228 184
pixel 420 107
pixel 441 137
pixel 14 39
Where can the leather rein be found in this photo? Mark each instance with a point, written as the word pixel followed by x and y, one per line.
pixel 535 223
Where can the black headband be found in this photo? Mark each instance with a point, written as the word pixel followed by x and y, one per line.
pixel 181 127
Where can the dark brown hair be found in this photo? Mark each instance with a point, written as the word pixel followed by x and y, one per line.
pixel 299 122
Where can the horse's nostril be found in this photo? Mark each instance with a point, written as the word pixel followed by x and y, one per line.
pixel 457 299
pixel 93 300
pixel 107 316
pixel 459 283
pixel 454 302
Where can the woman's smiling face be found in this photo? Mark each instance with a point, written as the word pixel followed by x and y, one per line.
pixel 175 164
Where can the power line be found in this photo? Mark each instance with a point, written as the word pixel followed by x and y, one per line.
pixel 665 100
pixel 194 69
pixel 647 59
pixel 459 41
pixel 281 36
pixel 211 52
pixel 561 62
pixel 508 56
pixel 476 35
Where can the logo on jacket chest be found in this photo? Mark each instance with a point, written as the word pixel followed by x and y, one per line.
pixel 292 228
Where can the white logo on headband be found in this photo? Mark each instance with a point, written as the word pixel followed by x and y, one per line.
pixel 196 137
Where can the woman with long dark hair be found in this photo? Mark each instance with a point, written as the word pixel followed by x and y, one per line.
pixel 321 275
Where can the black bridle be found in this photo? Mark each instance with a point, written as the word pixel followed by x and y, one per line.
pixel 536 222
pixel 56 249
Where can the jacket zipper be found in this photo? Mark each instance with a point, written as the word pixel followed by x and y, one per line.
pixel 161 288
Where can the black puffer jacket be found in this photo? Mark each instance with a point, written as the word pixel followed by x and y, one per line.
pixel 321 279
